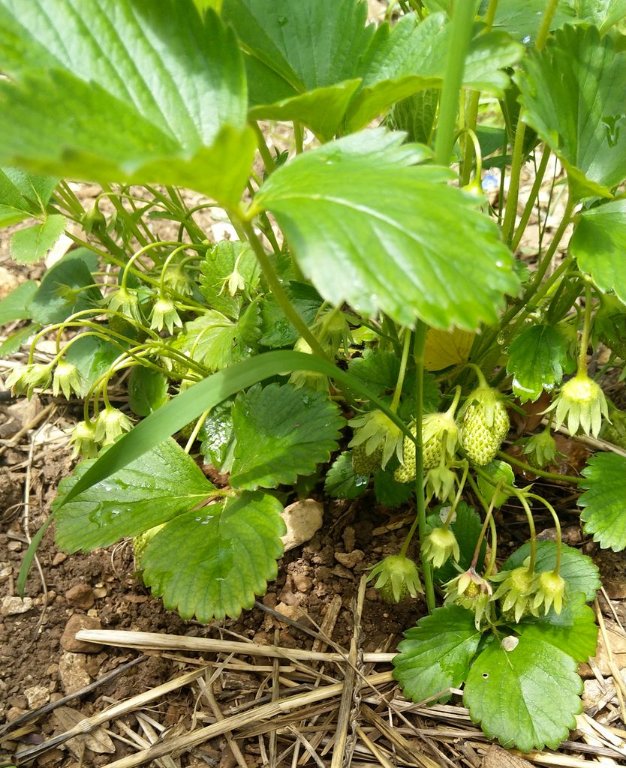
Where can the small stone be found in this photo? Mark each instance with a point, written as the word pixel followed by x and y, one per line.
pixel 13 713
pixel 12 606
pixel 20 701
pixel 100 592
pixel 59 558
pixel 301 582
pixel 73 672
pixel 350 559
pixel 5 571
pixel 292 612
pixel 81 596
pixel 349 538
pixel 68 638
pixel 14 546
pixel 303 519
pixel 37 696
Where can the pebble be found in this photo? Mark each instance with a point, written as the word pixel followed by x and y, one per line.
pixel 59 558
pixel 5 571
pixel 292 612
pixel 301 582
pixel 37 696
pixel 12 606
pixel 81 596
pixel 303 519
pixel 75 623
pixel 73 672
pixel 350 559
pixel 14 546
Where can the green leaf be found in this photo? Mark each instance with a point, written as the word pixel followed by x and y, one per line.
pixel 203 396
pixel 211 562
pixel 277 330
pixel 538 356
pixel 376 254
pixel 13 342
pixel 137 113
pixel 603 500
pixel 573 631
pixel 33 243
pixel 416 115
pixel 603 13
pixel 527 697
pixel 436 654
pixel 411 57
pixel 389 492
pixel 578 570
pixel 342 482
pixel 303 59
pixel 580 113
pixel 93 357
pixel 22 195
pixel 217 437
pixel 610 325
pixel 522 20
pixel 147 390
pixel 151 490
pixel 599 243
pixel 281 432
pixel 16 306
pixel 66 288
pixel 217 341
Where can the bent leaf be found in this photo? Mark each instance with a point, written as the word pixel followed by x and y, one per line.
pixel 211 562
pixel 151 490
pixel 572 92
pixel 136 79
pixel 527 697
pixel 599 243
pixel 397 238
pixel 603 501
pixel 22 195
pixel 33 243
pixel 537 359
pixel 435 655
pixel 281 432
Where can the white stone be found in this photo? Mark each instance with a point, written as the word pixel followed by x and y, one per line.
pixel 37 696
pixel 14 605
pixel 303 520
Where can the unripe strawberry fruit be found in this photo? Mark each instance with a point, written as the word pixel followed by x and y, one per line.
pixel 485 425
pixel 439 433
pixel 365 463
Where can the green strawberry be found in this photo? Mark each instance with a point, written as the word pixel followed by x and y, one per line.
pixel 485 425
pixel 364 463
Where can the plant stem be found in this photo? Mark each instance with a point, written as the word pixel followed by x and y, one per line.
pixel 557 527
pixel 487 522
pixel 279 293
pixel 510 211
pixel 540 472
pixel 420 501
pixel 584 339
pixel 531 526
pixel 266 155
pixel 460 35
pixel 528 209
pixel 546 21
pixel 402 372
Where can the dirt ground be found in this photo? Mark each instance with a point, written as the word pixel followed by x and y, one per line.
pixel 310 607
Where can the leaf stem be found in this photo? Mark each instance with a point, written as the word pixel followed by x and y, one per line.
pixel 584 339
pixel 528 209
pixel 539 472
pixel 420 501
pixel 460 34
pixel 279 293
pixel 402 372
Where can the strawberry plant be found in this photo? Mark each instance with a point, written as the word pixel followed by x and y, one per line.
pixel 370 323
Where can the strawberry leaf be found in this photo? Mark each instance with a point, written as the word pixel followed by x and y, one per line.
pixel 211 562
pixel 537 359
pixel 573 630
pixel 149 491
pixel 281 432
pixel 578 570
pixel 598 244
pixel 342 482
pixel 435 655
pixel 603 500
pixel 526 697
pixel 580 113
pixel 376 254
pixel 22 195
pixel 117 90
pixel 33 243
